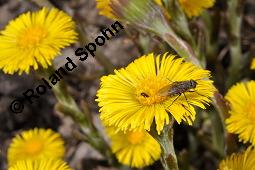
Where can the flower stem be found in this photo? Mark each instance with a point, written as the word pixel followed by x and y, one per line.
pixel 141 17
pixel 179 21
pixel 235 21
pixel 165 139
pixel 67 105
pixel 183 49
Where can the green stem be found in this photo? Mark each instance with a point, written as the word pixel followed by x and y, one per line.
pixel 67 105
pixel 142 15
pixel 179 21
pixel 165 139
pixel 223 108
pixel 163 30
pixel 181 47
pixel 235 21
pixel 180 25
pixel 211 30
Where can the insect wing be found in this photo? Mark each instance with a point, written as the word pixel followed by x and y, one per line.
pixel 164 91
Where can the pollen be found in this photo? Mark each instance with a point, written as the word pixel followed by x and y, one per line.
pixel 135 137
pixel 147 90
pixel 32 37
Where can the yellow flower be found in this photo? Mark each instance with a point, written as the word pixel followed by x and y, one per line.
pixel 195 7
pixel 190 7
pixel 135 149
pixel 36 144
pixel 105 8
pixel 132 98
pixel 241 161
pixel 242 114
pixel 41 164
pixel 253 64
pixel 159 2
pixel 34 39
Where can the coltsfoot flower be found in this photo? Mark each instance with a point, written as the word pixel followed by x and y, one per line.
pixel 242 114
pixel 195 7
pixel 41 164
pixel 241 161
pixel 190 7
pixel 105 9
pixel 34 39
pixel 128 9
pixel 131 98
pixel 253 64
pixel 35 144
pixel 134 149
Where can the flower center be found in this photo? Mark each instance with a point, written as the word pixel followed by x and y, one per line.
pixel 147 90
pixel 135 137
pixel 31 37
pixel 34 147
pixel 251 111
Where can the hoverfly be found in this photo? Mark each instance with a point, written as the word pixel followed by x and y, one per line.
pixel 178 88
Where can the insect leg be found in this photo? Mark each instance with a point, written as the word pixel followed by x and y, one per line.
pixel 175 100
pixel 170 80
pixel 186 99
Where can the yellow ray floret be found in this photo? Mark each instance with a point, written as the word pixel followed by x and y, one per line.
pixel 41 164
pixel 242 114
pixel 34 39
pixel 134 149
pixel 241 161
pixel 35 144
pixel 104 8
pixel 195 7
pixel 131 98
pixel 158 2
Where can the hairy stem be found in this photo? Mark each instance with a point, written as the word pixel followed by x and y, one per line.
pixel 235 21
pixel 179 21
pixel 165 139
pixel 164 31
pixel 67 105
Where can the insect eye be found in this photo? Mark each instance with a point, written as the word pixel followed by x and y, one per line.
pixel 144 95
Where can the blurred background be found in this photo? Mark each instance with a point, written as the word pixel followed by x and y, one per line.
pixel 192 144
